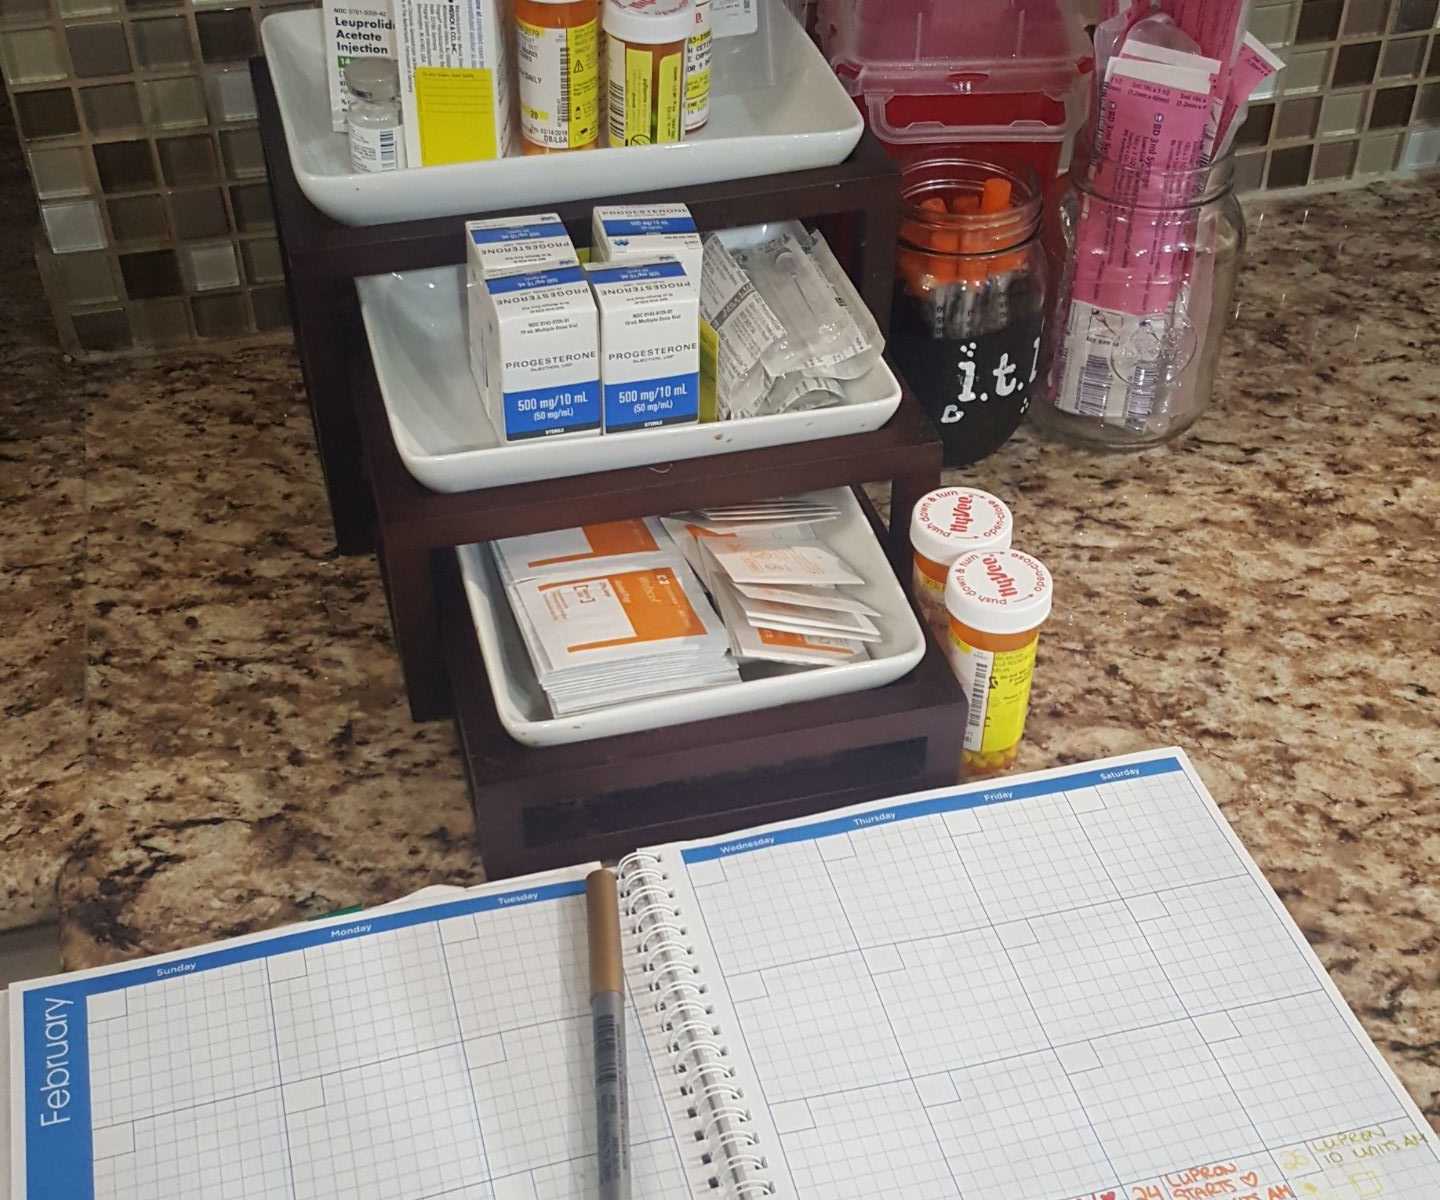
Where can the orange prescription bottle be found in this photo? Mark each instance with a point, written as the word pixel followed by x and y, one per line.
pixel 645 44
pixel 945 525
pixel 997 600
pixel 557 49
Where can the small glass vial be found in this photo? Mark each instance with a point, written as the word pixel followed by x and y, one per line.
pixel 557 46
pixel 948 524
pixel 697 70
pixel 645 43
pixel 997 602
pixel 376 140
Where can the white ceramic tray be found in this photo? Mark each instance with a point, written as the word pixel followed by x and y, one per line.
pixel 418 339
pixel 525 714
pixel 775 106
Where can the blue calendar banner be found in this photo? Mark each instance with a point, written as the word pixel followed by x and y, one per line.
pixel 933 806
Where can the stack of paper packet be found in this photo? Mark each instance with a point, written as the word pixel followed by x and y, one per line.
pixel 612 613
pixel 779 590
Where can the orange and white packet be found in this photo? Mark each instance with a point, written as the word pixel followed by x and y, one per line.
pixel 612 617
pixel 754 643
pixel 586 548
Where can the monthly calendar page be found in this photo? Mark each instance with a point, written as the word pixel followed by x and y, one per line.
pixel 1073 986
pixel 431 1052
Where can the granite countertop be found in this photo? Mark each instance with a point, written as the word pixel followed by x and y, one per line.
pixel 214 738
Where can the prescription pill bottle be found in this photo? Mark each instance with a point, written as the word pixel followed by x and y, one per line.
pixel 997 600
pixel 557 46
pixel 945 525
pixel 645 44
pixel 697 68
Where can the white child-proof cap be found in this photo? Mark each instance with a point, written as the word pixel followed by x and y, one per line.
pixel 959 520
pixel 649 22
pixel 999 591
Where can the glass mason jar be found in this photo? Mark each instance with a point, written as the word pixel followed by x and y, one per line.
pixel 1146 270
pixel 970 300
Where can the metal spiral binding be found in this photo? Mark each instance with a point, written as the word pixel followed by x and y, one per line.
pixel 733 1163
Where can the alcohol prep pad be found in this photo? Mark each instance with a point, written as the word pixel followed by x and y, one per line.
pixel 649 344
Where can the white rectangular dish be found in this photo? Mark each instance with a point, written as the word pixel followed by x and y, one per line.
pixel 415 321
pixel 525 714
pixel 775 106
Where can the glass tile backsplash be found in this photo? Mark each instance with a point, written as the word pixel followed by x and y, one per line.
pixel 137 118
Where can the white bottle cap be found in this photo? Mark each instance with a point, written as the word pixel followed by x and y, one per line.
pixel 999 591
pixel 959 520
pixel 649 22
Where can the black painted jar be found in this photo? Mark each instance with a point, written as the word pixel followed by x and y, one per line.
pixel 970 301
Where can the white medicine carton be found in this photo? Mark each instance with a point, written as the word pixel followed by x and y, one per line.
pixel 539 336
pixel 635 232
pixel 649 343
pixel 353 29
pixel 504 245
pixel 456 80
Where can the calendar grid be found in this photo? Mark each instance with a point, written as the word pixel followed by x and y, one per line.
pixel 1088 988
pixel 1176 992
pixel 1036 1014
pixel 360 1056
pixel 465 1053
pixel 275 1037
pixel 1047 988
pixel 889 1022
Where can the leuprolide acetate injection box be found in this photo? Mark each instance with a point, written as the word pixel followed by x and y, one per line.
pixel 353 29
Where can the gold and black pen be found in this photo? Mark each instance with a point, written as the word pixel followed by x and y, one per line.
pixel 607 1014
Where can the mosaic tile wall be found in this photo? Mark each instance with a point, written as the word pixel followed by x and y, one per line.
pixel 138 122
pixel 1359 95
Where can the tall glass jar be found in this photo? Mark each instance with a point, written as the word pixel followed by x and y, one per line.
pixel 1147 262
pixel 970 301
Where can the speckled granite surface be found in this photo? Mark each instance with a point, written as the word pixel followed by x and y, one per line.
pixel 1265 593
pixel 204 728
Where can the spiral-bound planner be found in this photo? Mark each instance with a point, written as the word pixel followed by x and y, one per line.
pixel 1073 985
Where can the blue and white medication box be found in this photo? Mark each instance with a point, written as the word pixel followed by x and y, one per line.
pixel 649 343
pixel 504 244
pixel 540 338
pixel 639 232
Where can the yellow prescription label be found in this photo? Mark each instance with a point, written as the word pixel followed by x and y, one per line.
pixel 559 73
pixel 709 368
pixel 639 97
pixel 670 105
pixel 697 80
pixel 997 684
pixel 583 46
pixel 456 106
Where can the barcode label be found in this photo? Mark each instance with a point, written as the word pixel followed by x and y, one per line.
pixel 615 91
pixel 1093 391
pixel 979 692
pixel 607 1048
pixel 376 149
pixel 1140 399
pixel 617 113
pixel 565 89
